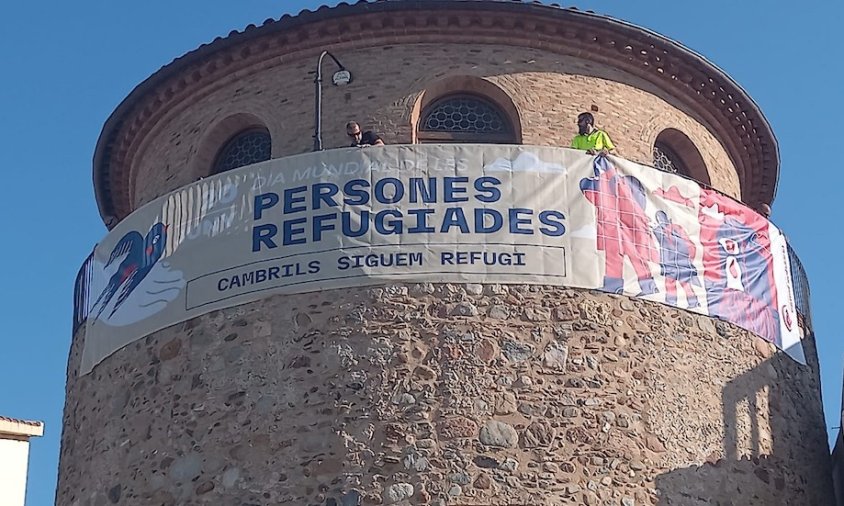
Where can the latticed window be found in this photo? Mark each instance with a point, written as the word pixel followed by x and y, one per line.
pixel 464 118
pixel 247 147
pixel 667 160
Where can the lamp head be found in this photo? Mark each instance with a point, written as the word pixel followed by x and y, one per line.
pixel 341 77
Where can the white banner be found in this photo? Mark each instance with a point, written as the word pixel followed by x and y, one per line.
pixel 438 213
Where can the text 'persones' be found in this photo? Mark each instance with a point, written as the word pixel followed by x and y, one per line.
pixel 349 210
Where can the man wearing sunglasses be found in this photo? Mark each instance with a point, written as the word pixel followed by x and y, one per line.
pixel 360 138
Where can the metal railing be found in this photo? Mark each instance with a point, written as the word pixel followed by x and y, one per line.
pixel 82 292
pixel 800 283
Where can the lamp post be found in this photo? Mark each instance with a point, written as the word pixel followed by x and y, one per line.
pixel 341 77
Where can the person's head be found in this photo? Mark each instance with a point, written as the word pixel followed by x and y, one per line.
pixel 585 123
pixel 764 210
pixel 353 131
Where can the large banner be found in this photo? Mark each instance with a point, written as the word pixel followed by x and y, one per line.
pixel 438 213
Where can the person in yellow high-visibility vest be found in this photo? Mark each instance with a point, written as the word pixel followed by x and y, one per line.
pixel 590 139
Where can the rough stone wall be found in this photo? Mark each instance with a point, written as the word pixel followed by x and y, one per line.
pixel 445 394
pixel 548 89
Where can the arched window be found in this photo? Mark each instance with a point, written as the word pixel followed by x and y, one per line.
pixel 245 148
pixel 674 152
pixel 465 118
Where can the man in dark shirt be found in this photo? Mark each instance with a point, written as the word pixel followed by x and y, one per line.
pixel 361 139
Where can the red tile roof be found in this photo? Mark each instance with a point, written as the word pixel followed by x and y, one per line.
pixel 24 422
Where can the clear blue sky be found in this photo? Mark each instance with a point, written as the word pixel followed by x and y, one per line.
pixel 64 67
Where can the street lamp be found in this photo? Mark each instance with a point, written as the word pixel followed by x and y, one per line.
pixel 340 78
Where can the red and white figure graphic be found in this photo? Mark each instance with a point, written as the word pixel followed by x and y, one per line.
pixel 738 266
pixel 673 194
pixel 622 225
pixel 676 261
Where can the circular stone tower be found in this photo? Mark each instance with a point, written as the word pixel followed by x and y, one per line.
pixel 440 393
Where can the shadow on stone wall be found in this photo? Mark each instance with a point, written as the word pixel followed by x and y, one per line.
pixel 773 438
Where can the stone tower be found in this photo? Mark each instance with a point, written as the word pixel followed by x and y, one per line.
pixel 426 391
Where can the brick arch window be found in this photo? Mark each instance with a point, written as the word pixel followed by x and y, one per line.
pixel 246 147
pixel 674 152
pixel 465 108
pixel 463 117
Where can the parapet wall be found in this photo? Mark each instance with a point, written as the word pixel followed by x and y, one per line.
pixel 445 394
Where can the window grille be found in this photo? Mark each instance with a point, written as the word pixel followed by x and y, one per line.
pixel 667 160
pixel 465 114
pixel 245 148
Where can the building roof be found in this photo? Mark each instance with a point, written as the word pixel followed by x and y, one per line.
pixel 17 428
pixel 735 118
